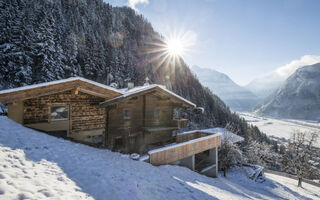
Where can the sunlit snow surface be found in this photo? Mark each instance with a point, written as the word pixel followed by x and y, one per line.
pixel 281 128
pixel 34 165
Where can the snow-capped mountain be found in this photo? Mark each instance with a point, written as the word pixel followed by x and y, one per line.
pixel 235 96
pixel 298 97
pixel 264 86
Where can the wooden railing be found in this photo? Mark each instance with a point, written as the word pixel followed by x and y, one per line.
pixel 190 136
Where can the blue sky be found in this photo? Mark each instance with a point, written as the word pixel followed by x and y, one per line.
pixel 243 38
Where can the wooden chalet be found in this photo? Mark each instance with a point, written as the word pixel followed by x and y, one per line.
pixel 135 119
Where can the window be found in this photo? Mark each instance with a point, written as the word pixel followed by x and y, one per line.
pixel 59 113
pixel 157 114
pixel 127 114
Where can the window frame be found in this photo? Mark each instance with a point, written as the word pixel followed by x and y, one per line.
pixel 59 105
pixel 124 114
pixel 155 114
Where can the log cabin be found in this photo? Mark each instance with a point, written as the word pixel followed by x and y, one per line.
pixel 135 119
pixel 143 120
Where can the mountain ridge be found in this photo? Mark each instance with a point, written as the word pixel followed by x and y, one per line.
pixel 235 96
pixel 298 97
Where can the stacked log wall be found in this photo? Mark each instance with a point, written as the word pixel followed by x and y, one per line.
pixel 84 110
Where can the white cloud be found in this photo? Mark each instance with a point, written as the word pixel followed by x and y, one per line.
pixel 290 68
pixel 133 3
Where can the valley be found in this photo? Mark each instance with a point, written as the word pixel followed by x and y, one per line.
pixel 280 129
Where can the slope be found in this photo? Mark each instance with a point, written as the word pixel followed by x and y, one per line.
pixel 37 166
pixel 298 97
pixel 235 96
pixel 49 40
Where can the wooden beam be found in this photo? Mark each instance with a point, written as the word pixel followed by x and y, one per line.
pixel 76 91
pixel 122 98
pixel 57 88
pixel 144 111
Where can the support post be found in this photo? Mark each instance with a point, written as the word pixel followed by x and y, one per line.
pixel 212 169
pixel 188 162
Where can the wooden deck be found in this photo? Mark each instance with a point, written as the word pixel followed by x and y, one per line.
pixel 185 148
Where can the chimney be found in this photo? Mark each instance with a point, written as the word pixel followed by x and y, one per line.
pixel 130 85
pixel 147 81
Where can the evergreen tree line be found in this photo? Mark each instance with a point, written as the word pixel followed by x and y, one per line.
pixel 43 40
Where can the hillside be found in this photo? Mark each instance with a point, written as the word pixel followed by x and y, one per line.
pixel 92 39
pixel 48 40
pixel 298 97
pixel 235 96
pixel 37 166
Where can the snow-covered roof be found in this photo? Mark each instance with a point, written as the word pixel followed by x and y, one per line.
pixel 58 82
pixel 137 90
pixel 224 134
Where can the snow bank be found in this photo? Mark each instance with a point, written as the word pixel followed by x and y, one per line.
pixel 34 165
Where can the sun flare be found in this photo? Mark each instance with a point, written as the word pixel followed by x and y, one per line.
pixel 175 47
pixel 169 51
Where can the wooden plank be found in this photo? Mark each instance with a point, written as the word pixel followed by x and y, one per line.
pixel 183 150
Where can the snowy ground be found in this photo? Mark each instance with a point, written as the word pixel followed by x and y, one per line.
pixel 280 128
pixel 34 165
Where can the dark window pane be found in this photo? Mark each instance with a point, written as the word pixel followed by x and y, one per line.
pixel 127 114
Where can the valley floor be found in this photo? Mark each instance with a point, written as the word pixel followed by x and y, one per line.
pixel 280 129
pixel 34 165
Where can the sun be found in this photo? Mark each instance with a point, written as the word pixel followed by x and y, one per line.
pixel 175 47
pixel 169 50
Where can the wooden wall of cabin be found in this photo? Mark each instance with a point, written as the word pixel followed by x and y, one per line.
pixel 125 129
pixel 86 118
pixel 166 112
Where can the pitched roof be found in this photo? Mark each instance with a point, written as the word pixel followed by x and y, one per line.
pixel 145 89
pixel 58 82
pixel 41 89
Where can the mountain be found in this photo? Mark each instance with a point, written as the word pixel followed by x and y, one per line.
pixel 235 96
pixel 45 40
pixel 298 97
pixel 266 85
